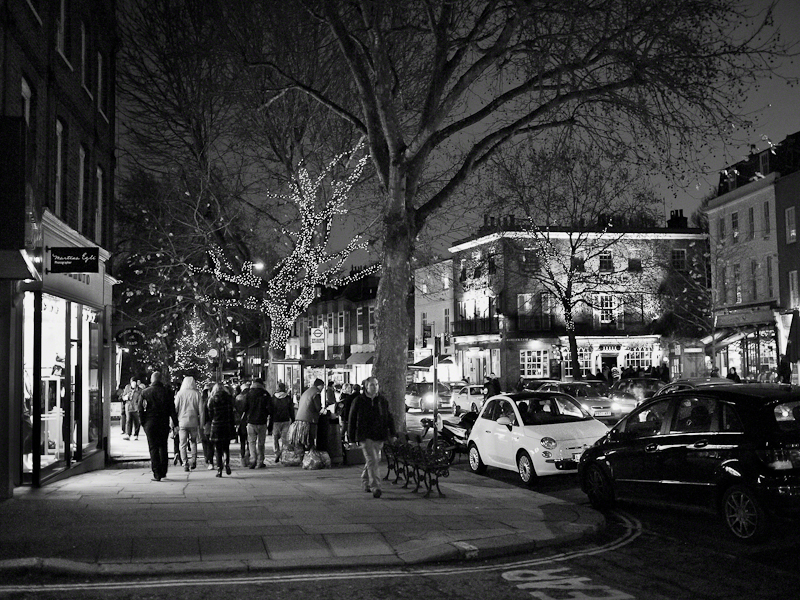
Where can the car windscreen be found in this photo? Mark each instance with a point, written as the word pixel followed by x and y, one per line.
pixel 546 410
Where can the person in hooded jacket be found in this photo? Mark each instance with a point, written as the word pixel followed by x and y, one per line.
pixel 280 418
pixel 188 406
pixel 257 410
pixel 241 424
pixel 223 425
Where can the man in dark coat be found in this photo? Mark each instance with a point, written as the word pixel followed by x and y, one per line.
pixel 784 370
pixel 370 423
pixel 257 410
pixel 156 409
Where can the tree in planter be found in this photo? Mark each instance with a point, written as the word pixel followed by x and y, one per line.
pixel 439 88
pixel 293 284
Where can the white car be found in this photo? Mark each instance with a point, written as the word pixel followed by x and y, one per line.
pixel 532 433
pixel 467 398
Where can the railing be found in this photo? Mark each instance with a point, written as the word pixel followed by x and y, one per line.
pixel 476 326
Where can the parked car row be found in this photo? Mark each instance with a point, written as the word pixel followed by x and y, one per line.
pixel 726 448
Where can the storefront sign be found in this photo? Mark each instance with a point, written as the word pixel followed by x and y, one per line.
pixel 74 260
pixel 755 316
pixel 130 338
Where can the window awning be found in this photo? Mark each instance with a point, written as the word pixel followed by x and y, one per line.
pixel 427 362
pixel 361 358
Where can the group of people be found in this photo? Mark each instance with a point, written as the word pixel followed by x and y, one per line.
pixel 217 414
pixel 366 420
pixel 211 417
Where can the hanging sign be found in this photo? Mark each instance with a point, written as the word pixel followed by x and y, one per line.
pixel 74 260
pixel 317 339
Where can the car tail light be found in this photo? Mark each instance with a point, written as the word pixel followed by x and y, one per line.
pixel 549 443
pixel 781 458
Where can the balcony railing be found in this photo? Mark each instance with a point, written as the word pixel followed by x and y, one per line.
pixel 476 326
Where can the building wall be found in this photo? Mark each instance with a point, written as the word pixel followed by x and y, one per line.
pixel 787 195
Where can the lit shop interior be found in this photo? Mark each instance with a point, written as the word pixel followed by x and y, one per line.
pixel 70 410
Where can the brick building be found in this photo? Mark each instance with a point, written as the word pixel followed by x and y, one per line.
pixel 58 109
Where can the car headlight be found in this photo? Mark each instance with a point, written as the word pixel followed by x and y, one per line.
pixel 548 442
pixel 615 406
pixel 428 398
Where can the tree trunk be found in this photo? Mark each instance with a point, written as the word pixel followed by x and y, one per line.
pixel 391 341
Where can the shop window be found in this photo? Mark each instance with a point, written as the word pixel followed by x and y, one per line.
pixel 534 363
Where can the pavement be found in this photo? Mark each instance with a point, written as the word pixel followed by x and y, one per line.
pixel 117 522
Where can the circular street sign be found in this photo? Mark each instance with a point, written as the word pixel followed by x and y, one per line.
pixel 317 333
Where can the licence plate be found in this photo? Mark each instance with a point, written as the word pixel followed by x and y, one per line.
pixel 602 413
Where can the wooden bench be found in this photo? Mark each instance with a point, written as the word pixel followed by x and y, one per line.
pixel 417 461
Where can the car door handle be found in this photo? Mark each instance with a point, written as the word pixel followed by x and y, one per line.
pixel 700 444
pixel 651 448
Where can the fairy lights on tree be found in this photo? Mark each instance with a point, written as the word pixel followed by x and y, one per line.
pixel 290 290
pixel 192 348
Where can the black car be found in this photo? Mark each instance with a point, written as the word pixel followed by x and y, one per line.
pixel 733 450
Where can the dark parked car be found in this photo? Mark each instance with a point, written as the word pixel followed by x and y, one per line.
pixel 637 389
pixel 733 450
pixel 692 383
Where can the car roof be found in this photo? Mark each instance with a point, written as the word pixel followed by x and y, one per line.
pixel 750 394
pixel 702 381
pixel 527 395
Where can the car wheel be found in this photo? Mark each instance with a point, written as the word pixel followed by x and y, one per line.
pixel 743 514
pixel 474 407
pixel 599 488
pixel 527 473
pixel 475 463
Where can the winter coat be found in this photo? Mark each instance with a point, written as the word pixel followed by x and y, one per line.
pixel 223 420
pixel 257 406
pixel 282 409
pixel 310 406
pixel 370 419
pixel 157 404
pixel 187 404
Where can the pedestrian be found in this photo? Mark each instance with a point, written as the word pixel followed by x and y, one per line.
pixel 370 423
pixel 241 424
pixel 188 406
pixel 784 369
pixel 223 425
pixel 205 430
pixel 132 405
pixel 304 433
pixel 156 410
pixel 280 418
pixel 127 395
pixel 257 411
pixel 733 375
pixel 330 395
pixel 615 373
pixel 345 402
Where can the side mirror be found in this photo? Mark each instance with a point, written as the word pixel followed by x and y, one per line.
pixel 505 421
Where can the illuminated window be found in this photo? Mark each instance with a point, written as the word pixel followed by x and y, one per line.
pixel 791 226
pixel 534 363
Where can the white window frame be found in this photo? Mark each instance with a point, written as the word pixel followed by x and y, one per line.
pixel 584 361
pixel 58 200
pixel 737 283
pixel 791 225
pixel 678 259
pixel 794 290
pixel 735 227
pixel 525 304
pixel 605 257
pixel 98 224
pixel 534 363
pixel 639 357
pixel 770 281
pixel 81 186
pixel 721 231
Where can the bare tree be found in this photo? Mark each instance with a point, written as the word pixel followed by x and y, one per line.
pixel 579 207
pixel 439 87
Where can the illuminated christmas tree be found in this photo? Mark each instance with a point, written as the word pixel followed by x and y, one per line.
pixel 191 352
pixel 291 288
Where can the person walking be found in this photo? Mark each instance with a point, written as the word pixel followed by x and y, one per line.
pixel 305 427
pixel 132 406
pixel 280 418
pixel 205 430
pixel 345 403
pixel 784 370
pixel 223 425
pixel 257 411
pixel 241 425
pixel 370 423
pixel 190 419
pixel 156 410
pixel 126 396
